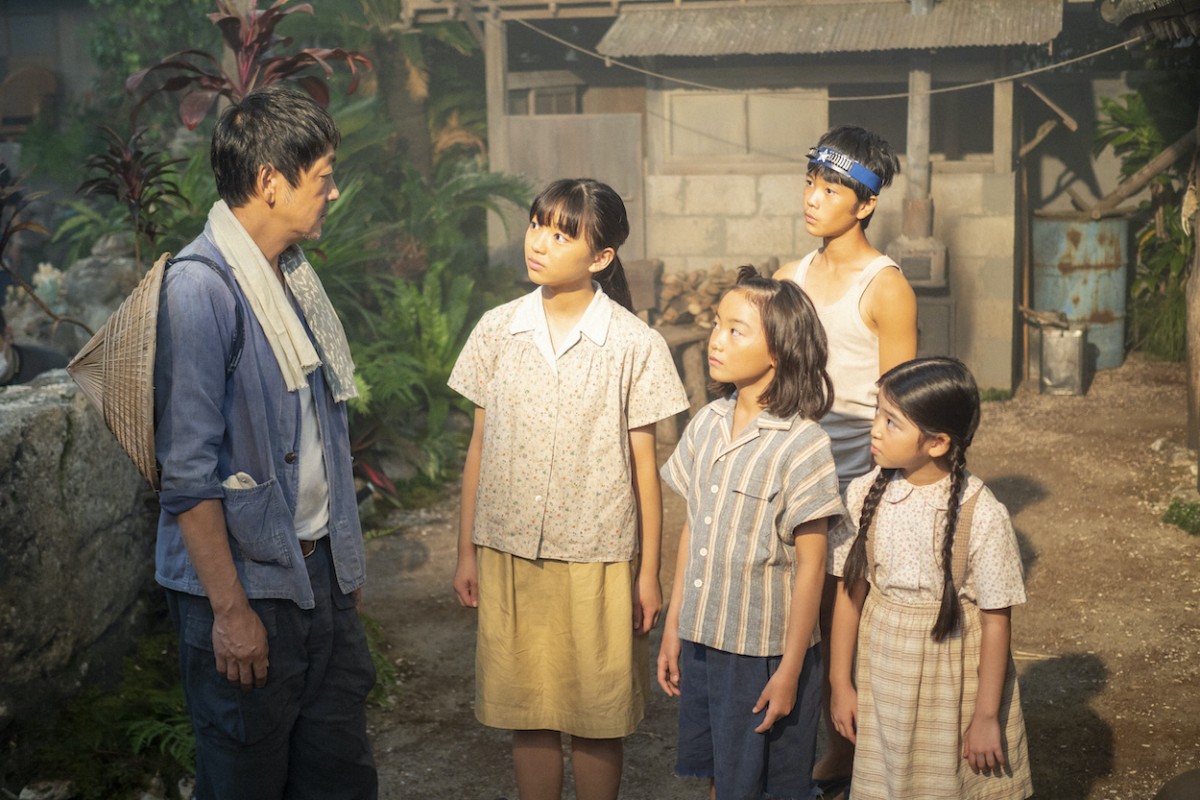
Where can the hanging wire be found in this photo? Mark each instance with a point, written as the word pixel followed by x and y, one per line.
pixel 611 62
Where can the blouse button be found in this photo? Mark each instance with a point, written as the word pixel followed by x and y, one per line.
pixel 713 488
pixel 722 458
pixel 703 551
pixel 708 520
pixel 290 458
pixel 697 583
pixel 537 499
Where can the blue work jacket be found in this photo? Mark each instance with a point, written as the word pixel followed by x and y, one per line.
pixel 209 427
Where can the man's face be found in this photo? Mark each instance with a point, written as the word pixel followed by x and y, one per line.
pixel 302 208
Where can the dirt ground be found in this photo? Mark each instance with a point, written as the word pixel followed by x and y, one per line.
pixel 1108 647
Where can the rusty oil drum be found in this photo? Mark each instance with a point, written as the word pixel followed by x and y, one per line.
pixel 1080 267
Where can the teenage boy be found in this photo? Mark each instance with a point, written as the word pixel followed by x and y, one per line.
pixel 870 316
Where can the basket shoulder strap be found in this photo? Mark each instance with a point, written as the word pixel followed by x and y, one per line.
pixel 239 330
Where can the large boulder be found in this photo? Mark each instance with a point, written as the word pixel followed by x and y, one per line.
pixel 76 546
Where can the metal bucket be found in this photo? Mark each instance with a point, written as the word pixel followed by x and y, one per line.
pixel 1080 268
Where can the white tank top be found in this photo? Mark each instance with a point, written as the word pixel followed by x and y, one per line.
pixel 853 367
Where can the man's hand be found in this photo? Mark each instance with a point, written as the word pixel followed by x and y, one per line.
pixel 240 645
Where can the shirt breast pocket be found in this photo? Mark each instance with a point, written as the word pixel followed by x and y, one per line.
pixel 760 491
pixel 257 522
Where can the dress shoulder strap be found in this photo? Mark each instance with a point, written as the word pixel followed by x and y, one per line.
pixel 962 544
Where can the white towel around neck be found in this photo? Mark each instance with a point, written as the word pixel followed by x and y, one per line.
pixel 289 342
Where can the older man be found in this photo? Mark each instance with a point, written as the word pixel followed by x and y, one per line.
pixel 259 544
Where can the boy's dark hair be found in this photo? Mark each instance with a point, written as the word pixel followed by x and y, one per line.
pixel 795 339
pixel 586 207
pixel 275 126
pixel 938 394
pixel 867 148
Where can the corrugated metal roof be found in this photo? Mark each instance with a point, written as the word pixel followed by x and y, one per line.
pixel 1158 19
pixel 759 30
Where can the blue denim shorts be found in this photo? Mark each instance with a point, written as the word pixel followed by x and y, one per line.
pixel 716 726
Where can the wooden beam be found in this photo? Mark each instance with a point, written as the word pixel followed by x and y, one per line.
pixel 1002 128
pixel 1066 118
pixel 1137 181
pixel 426 12
pixel 1044 130
pixel 472 21
pixel 919 81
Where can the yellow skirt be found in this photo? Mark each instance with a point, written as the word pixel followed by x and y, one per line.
pixel 556 648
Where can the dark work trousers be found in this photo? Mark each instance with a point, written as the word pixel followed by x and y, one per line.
pixel 303 736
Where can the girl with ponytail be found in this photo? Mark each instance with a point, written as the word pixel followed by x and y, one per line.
pixel 927 575
pixel 561 513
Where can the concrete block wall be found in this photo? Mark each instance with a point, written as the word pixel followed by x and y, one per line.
pixel 697 221
pixel 974 216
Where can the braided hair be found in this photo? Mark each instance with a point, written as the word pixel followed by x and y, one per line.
pixel 939 395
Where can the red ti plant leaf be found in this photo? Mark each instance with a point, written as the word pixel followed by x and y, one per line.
pixel 249 33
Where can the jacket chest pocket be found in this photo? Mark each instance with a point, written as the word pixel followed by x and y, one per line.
pixel 258 522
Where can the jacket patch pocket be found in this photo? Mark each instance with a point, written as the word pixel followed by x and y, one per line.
pixel 257 519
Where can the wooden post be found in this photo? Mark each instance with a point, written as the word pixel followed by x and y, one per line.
pixel 919 82
pixel 495 62
pixel 1193 329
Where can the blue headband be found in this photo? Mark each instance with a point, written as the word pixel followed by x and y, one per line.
pixel 840 162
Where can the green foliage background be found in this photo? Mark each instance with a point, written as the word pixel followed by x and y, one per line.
pixel 403 257
pixel 1137 127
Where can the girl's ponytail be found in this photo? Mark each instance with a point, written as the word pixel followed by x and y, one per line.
pixel 950 614
pixel 614 283
pixel 857 569
pixel 591 209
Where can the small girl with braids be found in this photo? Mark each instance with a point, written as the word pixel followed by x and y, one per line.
pixel 926 584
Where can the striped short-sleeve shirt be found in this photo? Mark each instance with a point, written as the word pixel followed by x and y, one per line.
pixel 746 497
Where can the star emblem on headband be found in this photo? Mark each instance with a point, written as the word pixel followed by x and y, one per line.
pixel 838 161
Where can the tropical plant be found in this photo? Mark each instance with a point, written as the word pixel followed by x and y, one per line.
pixel 250 36
pixel 1137 127
pixel 400 266
pixel 1157 297
pixel 111 739
pixel 139 178
pixel 423 327
pixel 125 34
pixel 14 203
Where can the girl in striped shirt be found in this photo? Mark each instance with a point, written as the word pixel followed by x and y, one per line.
pixel 739 646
